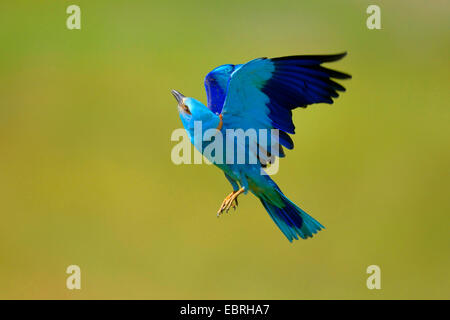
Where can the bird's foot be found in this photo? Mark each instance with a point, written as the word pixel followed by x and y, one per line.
pixel 226 202
pixel 230 201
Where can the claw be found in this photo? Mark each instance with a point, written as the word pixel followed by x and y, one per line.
pixel 230 201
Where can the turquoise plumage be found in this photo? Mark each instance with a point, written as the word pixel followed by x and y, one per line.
pixel 259 97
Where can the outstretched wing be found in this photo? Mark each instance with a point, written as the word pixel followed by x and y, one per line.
pixel 216 86
pixel 262 93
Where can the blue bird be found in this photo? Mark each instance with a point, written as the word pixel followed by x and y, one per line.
pixel 260 95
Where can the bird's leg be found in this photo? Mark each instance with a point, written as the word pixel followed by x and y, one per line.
pixel 233 202
pixel 230 201
pixel 224 203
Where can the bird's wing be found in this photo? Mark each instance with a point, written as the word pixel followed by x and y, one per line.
pixel 262 93
pixel 216 83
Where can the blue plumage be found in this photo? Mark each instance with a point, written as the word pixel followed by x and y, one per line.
pixel 260 95
pixel 216 86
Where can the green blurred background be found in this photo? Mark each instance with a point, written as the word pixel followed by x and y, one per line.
pixel 86 176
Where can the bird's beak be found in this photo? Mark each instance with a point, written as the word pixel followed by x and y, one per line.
pixel 178 96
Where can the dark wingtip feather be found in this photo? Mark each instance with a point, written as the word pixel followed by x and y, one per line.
pixel 319 58
pixel 312 62
pixel 334 73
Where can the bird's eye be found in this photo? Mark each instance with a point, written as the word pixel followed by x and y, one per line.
pixel 186 109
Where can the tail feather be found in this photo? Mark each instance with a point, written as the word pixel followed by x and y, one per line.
pixel 291 220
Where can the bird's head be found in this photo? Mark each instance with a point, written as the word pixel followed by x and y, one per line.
pixel 191 110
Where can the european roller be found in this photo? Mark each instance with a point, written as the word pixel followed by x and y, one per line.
pixel 259 95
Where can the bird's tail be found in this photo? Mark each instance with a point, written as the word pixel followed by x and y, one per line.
pixel 291 220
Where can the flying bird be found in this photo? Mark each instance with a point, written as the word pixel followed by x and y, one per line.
pixel 261 95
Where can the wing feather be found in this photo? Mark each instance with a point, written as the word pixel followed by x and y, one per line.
pixel 262 93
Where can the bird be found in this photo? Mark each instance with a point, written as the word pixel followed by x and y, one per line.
pixel 261 95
